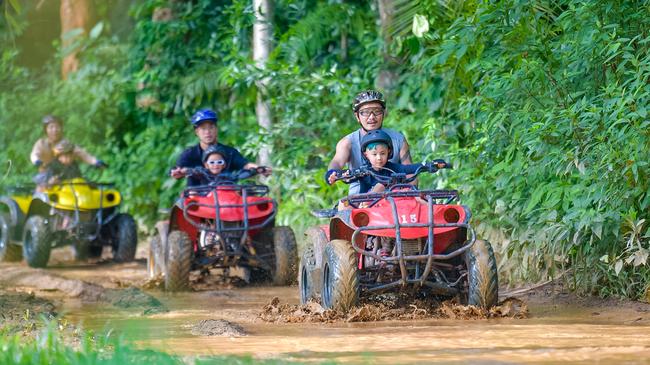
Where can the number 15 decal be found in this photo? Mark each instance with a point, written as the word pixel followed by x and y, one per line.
pixel 413 218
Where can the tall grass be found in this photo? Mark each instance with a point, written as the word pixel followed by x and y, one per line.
pixel 53 346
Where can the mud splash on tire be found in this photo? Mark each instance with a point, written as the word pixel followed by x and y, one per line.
pixel 386 308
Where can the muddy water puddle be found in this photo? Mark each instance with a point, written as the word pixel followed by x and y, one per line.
pixel 560 328
pixel 554 333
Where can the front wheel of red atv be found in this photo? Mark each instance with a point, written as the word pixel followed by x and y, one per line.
pixel 125 238
pixel 8 251
pixel 340 276
pixel 482 277
pixel 286 254
pixel 178 261
pixel 306 277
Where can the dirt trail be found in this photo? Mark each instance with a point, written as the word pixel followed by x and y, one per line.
pixel 560 326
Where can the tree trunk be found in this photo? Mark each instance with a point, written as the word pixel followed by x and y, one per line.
pixel 75 14
pixel 262 38
pixel 387 77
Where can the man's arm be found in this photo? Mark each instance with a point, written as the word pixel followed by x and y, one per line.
pixel 405 157
pixel 405 153
pixel 341 158
pixel 84 156
pixel 37 153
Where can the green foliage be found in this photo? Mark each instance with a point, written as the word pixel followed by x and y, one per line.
pixel 547 104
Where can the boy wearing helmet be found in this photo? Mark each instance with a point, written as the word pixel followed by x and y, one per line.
pixel 377 150
pixel 204 123
pixel 369 109
pixel 64 167
pixel 214 164
pixel 43 150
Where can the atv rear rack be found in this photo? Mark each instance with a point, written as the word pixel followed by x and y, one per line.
pixel 400 258
pixel 245 191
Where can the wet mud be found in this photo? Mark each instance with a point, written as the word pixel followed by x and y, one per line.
pixel 45 282
pixel 390 308
pixel 218 327
pixel 23 312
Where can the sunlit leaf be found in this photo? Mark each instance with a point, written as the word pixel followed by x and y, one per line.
pixel 618 266
pixel 640 257
pixel 97 30
pixel 420 25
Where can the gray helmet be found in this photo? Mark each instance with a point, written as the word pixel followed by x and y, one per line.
pixel 64 146
pixel 212 150
pixel 51 119
pixel 368 96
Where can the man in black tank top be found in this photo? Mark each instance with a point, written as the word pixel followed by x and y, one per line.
pixel 369 109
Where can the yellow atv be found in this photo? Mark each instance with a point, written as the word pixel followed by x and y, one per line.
pixel 75 212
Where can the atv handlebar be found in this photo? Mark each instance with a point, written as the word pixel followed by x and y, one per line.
pixel 394 178
pixel 225 178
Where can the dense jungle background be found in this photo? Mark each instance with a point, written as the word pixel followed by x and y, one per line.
pixel 540 105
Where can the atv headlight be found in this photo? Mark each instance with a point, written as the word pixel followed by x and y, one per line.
pixel 451 215
pixel 110 197
pixel 361 219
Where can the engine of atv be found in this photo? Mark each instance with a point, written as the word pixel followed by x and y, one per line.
pixel 221 248
pixel 377 272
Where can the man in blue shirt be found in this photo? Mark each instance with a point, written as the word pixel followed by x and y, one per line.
pixel 205 127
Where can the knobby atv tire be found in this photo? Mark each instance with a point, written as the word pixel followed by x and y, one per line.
pixel 125 238
pixel 36 242
pixel 306 276
pixel 482 278
pixel 155 258
pixel 340 276
pixel 8 251
pixel 178 261
pixel 286 254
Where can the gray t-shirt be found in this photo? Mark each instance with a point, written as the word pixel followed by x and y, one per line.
pixel 356 157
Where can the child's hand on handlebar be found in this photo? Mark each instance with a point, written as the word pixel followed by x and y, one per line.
pixel 178 172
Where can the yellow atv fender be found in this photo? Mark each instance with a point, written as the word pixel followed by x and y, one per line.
pixel 79 194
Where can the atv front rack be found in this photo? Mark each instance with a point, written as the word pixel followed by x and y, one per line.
pixel 410 191
pixel 245 191
pixel 419 277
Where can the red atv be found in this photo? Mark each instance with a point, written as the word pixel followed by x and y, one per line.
pixel 397 239
pixel 222 225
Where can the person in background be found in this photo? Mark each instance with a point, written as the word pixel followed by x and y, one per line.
pixel 64 167
pixel 205 127
pixel 43 150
